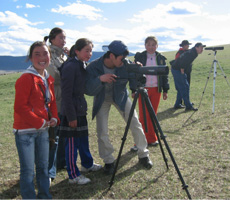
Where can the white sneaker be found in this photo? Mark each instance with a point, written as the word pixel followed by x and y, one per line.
pixel 94 168
pixel 80 180
pixel 134 148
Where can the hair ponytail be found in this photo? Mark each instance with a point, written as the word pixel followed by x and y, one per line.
pixel 46 38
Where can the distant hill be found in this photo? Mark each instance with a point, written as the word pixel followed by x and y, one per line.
pixel 19 63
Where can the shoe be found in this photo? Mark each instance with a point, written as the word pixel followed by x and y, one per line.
pixel 51 180
pixel 80 180
pixel 146 162
pixel 134 148
pixel 109 168
pixel 154 144
pixel 179 106
pixel 191 109
pixel 94 168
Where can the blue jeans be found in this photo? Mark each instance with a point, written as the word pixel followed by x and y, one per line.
pixel 33 148
pixel 182 87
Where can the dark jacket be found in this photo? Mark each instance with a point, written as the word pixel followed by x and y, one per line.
pixel 185 60
pixel 163 84
pixel 73 75
pixel 188 70
pixel 94 87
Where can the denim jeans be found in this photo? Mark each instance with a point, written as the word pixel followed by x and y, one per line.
pixel 33 148
pixel 182 87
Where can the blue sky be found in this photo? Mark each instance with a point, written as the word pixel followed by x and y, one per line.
pixel 24 21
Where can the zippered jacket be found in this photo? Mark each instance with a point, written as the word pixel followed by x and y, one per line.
pixel 30 112
pixel 96 88
pixel 163 84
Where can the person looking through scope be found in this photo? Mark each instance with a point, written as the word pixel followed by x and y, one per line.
pixel 155 85
pixel 178 69
pixel 102 83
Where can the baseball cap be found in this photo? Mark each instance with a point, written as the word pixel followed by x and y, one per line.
pixel 118 48
pixel 198 44
pixel 184 42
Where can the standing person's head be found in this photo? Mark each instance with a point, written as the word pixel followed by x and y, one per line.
pixel 199 47
pixel 117 52
pixel 151 44
pixel 39 55
pixel 83 49
pixel 185 44
pixel 57 37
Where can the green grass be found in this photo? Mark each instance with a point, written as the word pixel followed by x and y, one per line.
pixel 200 147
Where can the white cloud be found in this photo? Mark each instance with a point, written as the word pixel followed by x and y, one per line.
pixel 79 10
pixel 108 1
pixel 59 23
pixel 31 6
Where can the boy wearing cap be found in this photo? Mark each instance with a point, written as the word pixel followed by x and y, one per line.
pixel 180 78
pixel 101 83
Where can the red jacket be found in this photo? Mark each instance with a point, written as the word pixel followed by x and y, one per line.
pixel 29 107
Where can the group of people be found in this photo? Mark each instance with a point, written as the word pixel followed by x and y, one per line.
pixel 50 93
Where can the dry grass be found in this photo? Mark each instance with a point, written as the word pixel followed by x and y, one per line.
pixel 200 148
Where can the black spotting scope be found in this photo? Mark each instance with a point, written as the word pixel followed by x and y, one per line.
pixel 149 70
pixel 214 48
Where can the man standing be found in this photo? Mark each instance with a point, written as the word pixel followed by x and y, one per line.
pixel 184 46
pixel 101 83
pixel 178 69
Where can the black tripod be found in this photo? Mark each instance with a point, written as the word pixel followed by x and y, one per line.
pixel 144 95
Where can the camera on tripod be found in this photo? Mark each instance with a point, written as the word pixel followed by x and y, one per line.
pixel 161 70
pixel 214 48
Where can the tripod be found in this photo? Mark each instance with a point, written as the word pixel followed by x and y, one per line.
pixel 214 69
pixel 144 95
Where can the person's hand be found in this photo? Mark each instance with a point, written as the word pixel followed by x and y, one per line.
pixel 165 95
pixel 73 124
pixel 182 71
pixel 133 95
pixel 108 78
pixel 139 63
pixel 52 123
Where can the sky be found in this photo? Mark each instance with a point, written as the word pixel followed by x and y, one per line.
pixel 23 22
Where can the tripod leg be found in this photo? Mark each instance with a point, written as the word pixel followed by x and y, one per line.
pixel 214 84
pixel 202 94
pixel 153 115
pixel 124 138
pixel 148 104
pixel 223 73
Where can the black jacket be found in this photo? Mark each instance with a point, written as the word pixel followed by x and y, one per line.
pixel 73 76
pixel 163 84
pixel 185 60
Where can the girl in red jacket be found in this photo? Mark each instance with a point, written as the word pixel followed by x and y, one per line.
pixel 34 111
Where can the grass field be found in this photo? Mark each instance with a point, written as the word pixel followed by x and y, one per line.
pixel 200 147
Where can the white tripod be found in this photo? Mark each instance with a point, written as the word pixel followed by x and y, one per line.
pixel 214 65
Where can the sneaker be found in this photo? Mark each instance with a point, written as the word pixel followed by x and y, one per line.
pixel 154 144
pixel 179 106
pixel 146 162
pixel 109 168
pixel 94 168
pixel 134 148
pixel 191 109
pixel 80 180
pixel 51 180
